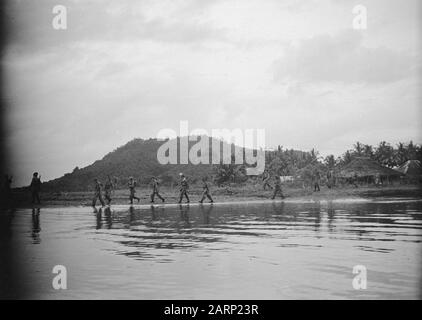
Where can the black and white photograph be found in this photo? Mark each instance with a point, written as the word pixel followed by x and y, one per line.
pixel 213 150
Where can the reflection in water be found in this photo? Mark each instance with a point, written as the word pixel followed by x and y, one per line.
pixel 99 219
pixel 108 217
pixel 36 228
pixel 278 207
pixel 242 248
pixel 6 220
pixel 178 227
pixel 184 216
pixel 330 214
pixel 315 211
pixel 13 273
pixel 206 212
pixel 153 213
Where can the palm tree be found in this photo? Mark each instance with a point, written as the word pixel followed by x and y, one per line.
pixel 358 149
pixel 411 150
pixel 330 161
pixel 384 154
pixel 401 153
pixel 347 157
pixel 368 151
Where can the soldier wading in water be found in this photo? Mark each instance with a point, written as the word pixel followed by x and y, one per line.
pixel 266 178
pixel 35 188
pixel 97 195
pixel 277 188
pixel 132 185
pixel 206 191
pixel 155 190
pixel 183 188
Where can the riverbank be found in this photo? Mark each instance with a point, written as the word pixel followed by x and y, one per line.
pixel 224 194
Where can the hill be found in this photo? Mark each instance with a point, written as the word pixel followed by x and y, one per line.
pixel 137 158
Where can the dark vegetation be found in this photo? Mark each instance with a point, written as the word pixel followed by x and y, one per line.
pixel 138 158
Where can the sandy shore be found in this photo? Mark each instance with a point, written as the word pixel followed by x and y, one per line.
pixel 224 195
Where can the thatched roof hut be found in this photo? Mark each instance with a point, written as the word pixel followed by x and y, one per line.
pixel 363 167
pixel 309 170
pixel 411 168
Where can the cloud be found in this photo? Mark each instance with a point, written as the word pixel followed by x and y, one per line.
pixel 127 69
pixel 342 58
pixel 30 23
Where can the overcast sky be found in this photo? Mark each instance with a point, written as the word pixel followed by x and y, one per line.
pixel 123 70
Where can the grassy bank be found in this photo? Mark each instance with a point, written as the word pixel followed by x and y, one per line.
pixel 224 194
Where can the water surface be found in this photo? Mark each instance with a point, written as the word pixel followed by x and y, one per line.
pixel 290 250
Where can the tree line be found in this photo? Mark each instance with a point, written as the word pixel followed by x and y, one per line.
pixel 290 162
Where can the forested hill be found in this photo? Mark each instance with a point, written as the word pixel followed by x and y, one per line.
pixel 137 158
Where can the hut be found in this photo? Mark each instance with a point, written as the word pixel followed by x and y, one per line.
pixel 412 170
pixel 306 174
pixel 364 169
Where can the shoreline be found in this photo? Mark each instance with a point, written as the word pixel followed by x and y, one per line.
pixel 233 195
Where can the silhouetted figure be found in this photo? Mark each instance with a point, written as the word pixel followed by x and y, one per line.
pixel 277 188
pixel 155 190
pixel 266 178
pixel 184 187
pixel 329 179
pixel 35 188
pixel 205 191
pixel 316 179
pixel 132 185
pixel 108 189
pixel 97 194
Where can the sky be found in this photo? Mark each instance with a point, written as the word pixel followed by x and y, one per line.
pixel 128 69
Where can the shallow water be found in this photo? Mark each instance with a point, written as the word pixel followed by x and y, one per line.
pixel 291 250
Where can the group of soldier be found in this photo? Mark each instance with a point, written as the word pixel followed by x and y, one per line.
pixel 183 190
pixel 104 193
pixel 109 186
pixel 315 182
